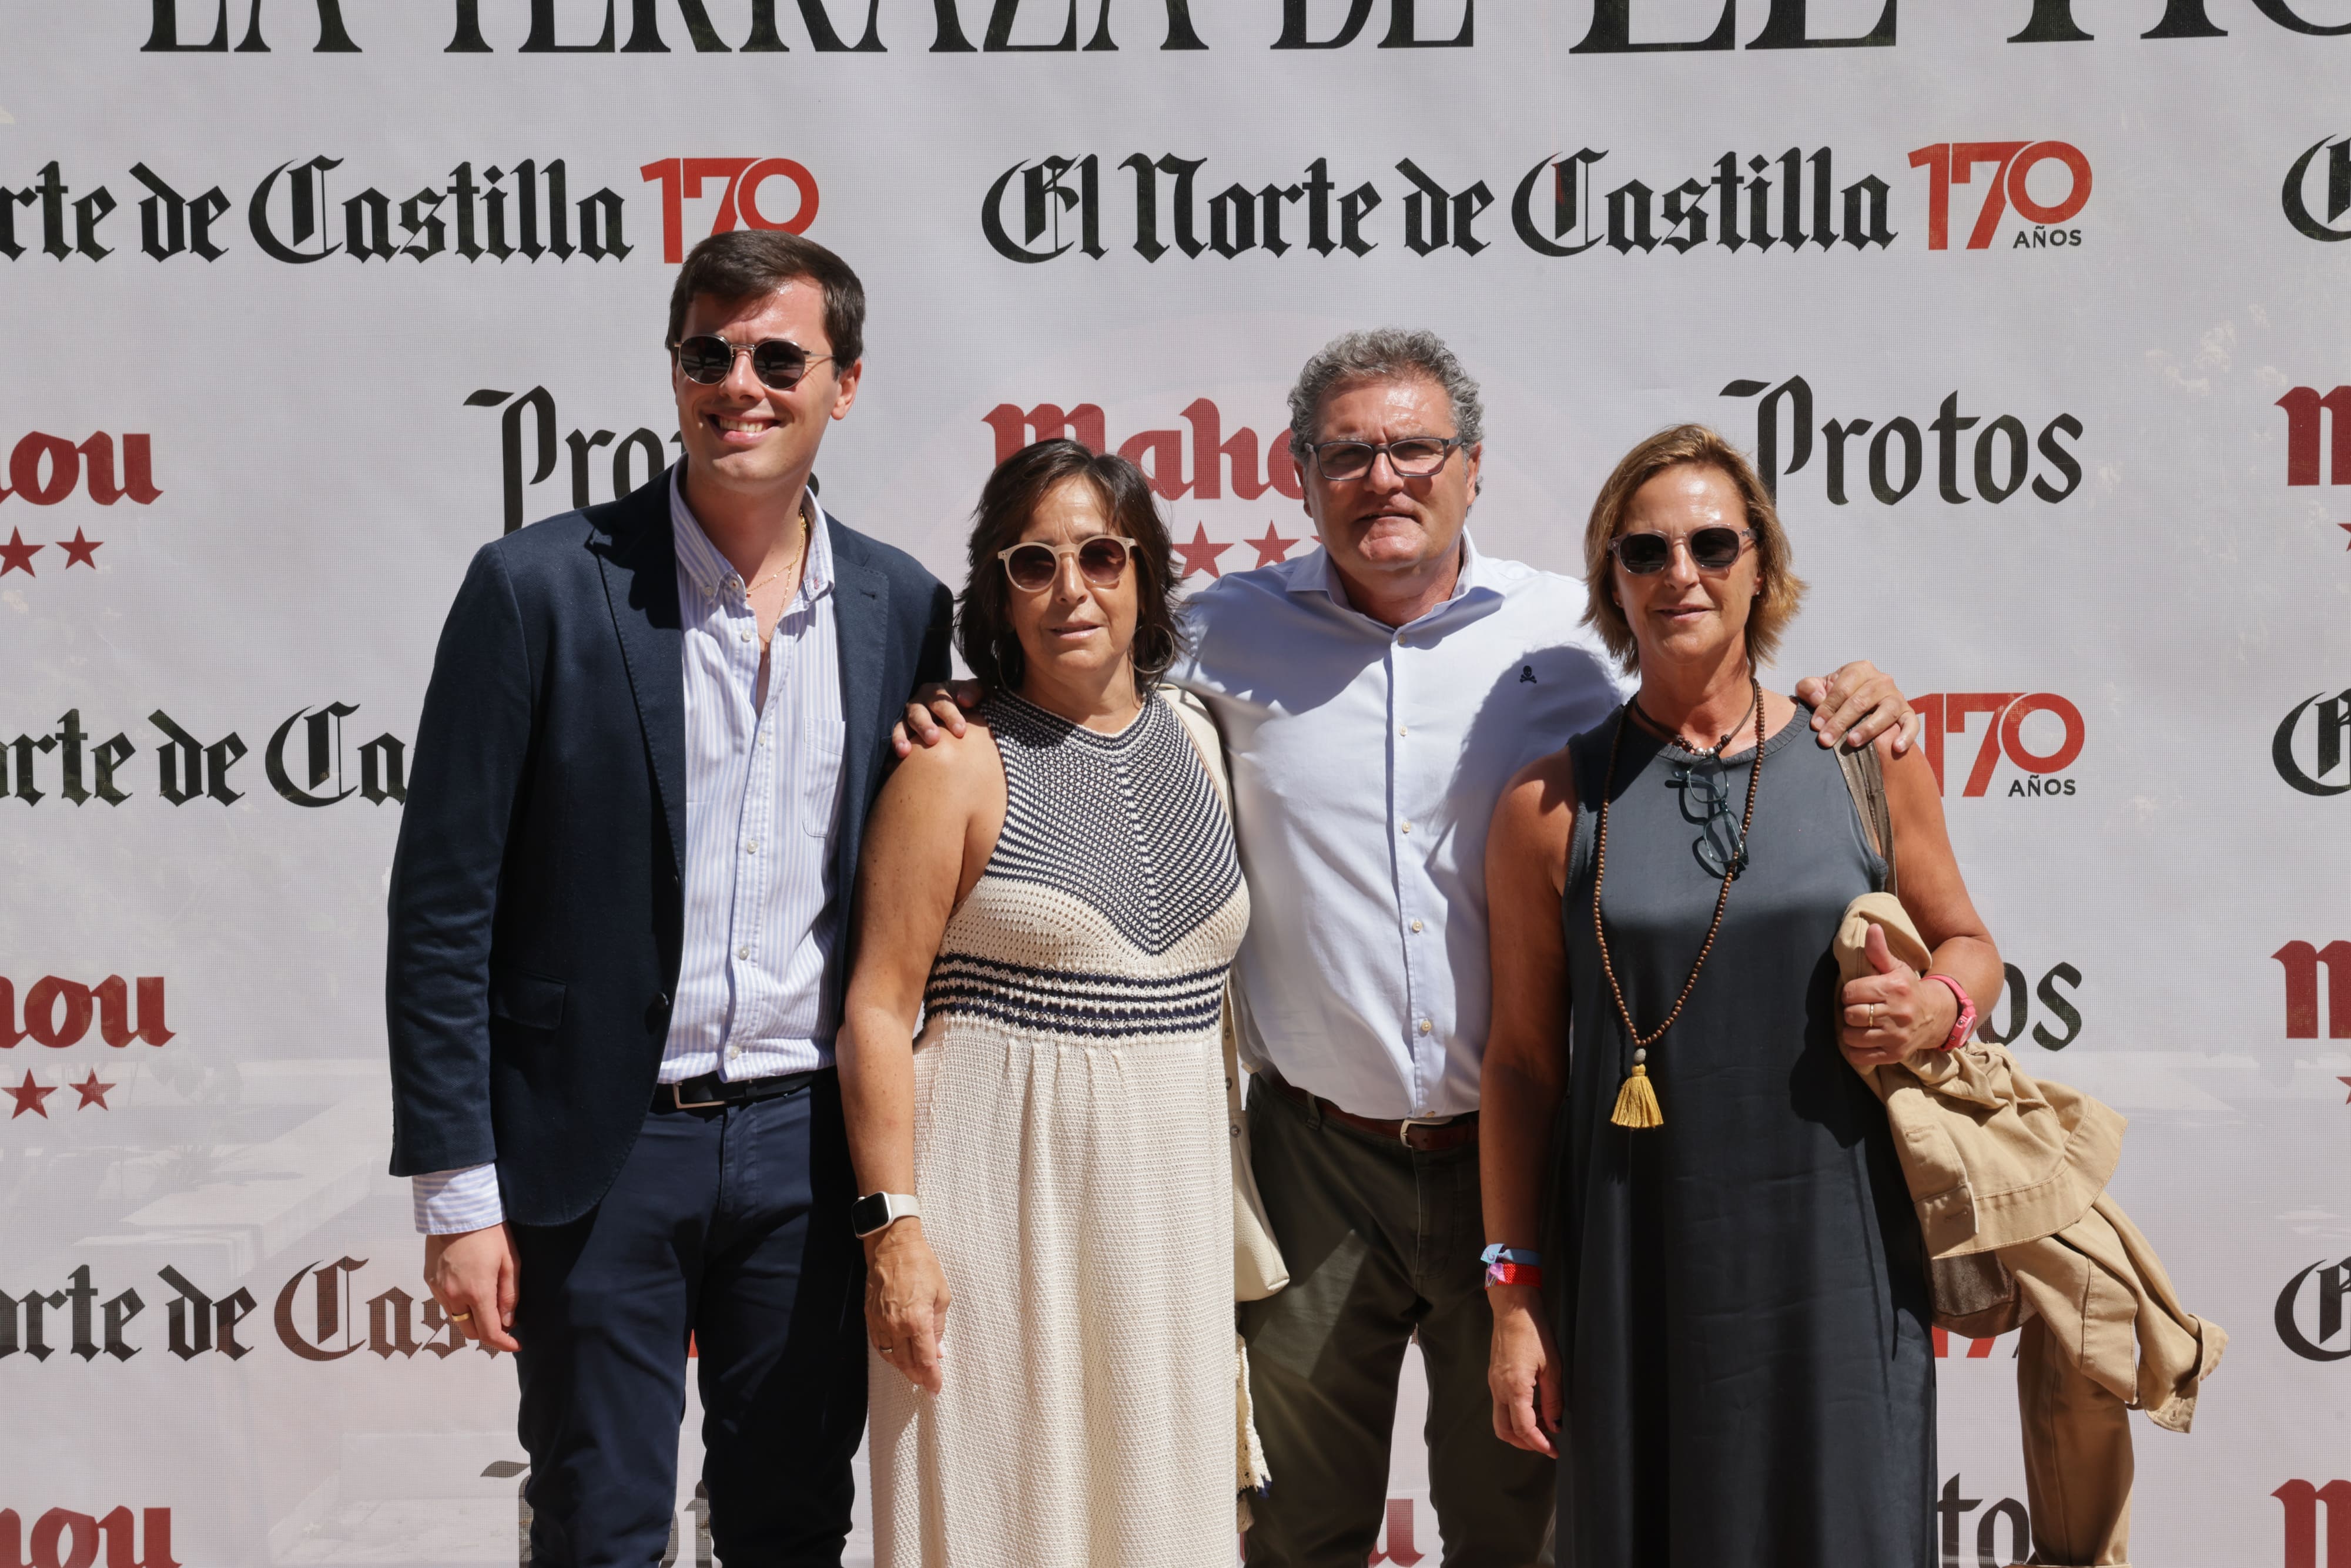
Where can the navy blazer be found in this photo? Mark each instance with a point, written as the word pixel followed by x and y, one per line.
pixel 537 909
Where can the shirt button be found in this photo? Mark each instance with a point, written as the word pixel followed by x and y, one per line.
pixel 1404 828
pixel 734 584
pixel 1401 730
pixel 744 951
pixel 1415 925
pixel 733 1051
pixel 752 848
pixel 1425 1026
pixel 742 636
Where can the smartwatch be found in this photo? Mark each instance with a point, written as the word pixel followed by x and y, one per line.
pixel 880 1210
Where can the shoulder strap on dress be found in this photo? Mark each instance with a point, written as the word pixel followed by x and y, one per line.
pixel 1865 776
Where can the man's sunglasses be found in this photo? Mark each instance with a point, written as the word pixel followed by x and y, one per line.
pixel 1414 457
pixel 1711 549
pixel 1032 567
pixel 709 359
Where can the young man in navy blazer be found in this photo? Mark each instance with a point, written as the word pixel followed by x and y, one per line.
pixel 620 920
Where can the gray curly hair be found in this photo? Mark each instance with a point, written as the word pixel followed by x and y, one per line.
pixel 1384 353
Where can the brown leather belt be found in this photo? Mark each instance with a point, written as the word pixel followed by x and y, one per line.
pixel 1432 1136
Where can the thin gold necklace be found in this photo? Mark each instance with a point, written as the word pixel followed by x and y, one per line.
pixel 790 565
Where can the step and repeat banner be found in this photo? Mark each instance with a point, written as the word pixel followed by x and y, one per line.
pixel 2031 311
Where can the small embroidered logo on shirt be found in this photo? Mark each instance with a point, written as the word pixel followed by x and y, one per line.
pixel 1527 676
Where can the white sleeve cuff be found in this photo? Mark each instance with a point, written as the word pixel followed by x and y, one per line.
pixel 449 1202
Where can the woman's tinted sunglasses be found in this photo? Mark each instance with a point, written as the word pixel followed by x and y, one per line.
pixel 1102 560
pixel 1711 549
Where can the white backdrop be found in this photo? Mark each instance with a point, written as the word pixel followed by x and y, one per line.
pixel 243 478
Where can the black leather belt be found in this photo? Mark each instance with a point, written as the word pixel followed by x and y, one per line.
pixel 710 1090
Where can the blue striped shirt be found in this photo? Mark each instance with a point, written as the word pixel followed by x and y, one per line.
pixel 762 807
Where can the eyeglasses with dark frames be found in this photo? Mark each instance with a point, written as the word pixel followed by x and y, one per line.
pixel 1711 549
pixel 1032 567
pixel 1414 457
pixel 708 358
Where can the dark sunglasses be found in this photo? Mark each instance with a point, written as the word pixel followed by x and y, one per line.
pixel 1032 567
pixel 1711 549
pixel 709 359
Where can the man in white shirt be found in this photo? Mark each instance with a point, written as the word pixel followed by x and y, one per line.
pixel 1375 697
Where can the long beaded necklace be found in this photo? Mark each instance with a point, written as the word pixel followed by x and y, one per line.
pixel 1636 1101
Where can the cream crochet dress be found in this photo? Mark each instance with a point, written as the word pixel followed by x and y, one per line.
pixel 1071 1156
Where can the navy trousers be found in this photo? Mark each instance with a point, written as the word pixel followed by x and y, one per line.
pixel 730 1227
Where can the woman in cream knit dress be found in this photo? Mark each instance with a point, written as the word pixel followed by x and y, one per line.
pixel 1056 897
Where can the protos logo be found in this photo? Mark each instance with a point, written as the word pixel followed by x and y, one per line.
pixel 739 203
pixel 64 1539
pixel 2326 1286
pixel 2303 1502
pixel 1947 715
pixel 2332 722
pixel 2012 163
pixel 2302 962
pixel 2336 183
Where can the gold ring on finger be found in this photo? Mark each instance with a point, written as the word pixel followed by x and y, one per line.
pixel 459 1317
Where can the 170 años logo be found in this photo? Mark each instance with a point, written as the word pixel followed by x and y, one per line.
pixel 1946 714
pixel 1952 163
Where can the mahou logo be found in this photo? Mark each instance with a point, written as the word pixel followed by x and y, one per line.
pixel 2317 729
pixel 2009 184
pixel 64 1539
pixel 2301 961
pixel 44 470
pixel 2303 1503
pixel 1195 460
pixel 2040 763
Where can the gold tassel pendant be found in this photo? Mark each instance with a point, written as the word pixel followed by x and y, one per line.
pixel 1636 1102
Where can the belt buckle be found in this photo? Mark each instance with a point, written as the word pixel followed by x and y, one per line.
pixel 677 1097
pixel 1405 1125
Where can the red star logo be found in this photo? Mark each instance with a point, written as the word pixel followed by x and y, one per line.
pixel 92 1092
pixel 28 1097
pixel 1201 554
pixel 1273 549
pixel 79 551
pixel 17 555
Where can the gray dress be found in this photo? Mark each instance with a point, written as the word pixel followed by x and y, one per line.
pixel 1743 1300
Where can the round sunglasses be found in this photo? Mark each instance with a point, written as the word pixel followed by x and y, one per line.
pixel 1711 549
pixel 709 359
pixel 1032 567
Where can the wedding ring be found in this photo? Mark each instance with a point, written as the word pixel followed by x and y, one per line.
pixel 885 1349
pixel 459 1317
pixel 1872 1015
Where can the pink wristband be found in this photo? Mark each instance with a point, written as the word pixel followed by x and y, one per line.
pixel 1966 1018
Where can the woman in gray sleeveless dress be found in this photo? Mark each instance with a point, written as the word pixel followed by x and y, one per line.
pixel 1055 898
pixel 1741 1363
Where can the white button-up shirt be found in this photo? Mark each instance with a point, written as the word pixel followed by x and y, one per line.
pixel 1367 763
pixel 762 807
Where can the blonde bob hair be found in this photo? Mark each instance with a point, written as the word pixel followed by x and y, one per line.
pixel 1780 591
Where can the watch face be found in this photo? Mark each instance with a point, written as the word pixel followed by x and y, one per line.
pixel 868 1214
